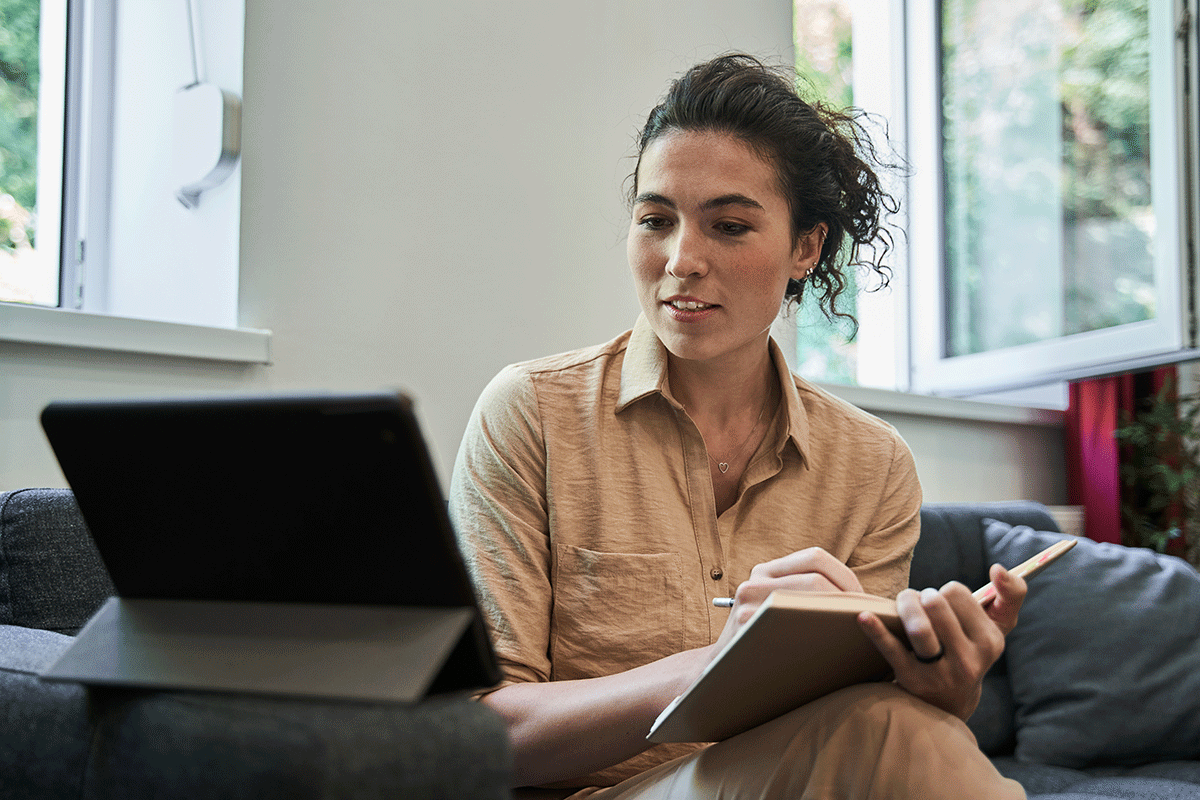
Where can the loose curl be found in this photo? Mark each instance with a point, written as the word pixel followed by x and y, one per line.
pixel 823 157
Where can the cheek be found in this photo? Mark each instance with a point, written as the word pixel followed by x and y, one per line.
pixel 641 256
pixel 762 277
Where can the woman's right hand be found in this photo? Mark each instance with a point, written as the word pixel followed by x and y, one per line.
pixel 808 570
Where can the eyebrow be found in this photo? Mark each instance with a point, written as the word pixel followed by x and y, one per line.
pixel 716 202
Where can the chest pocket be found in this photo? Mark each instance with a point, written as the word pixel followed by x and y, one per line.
pixel 613 611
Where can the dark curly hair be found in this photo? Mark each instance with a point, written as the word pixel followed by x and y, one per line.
pixel 823 157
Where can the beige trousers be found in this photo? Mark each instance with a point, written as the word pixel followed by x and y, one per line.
pixel 868 742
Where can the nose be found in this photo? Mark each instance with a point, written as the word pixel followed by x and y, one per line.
pixel 687 256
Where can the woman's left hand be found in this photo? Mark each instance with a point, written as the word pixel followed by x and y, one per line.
pixel 954 640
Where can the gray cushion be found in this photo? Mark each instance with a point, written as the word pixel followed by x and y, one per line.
pixel 992 723
pixel 1170 779
pixel 1105 661
pixel 951 545
pixel 51 576
pixel 224 747
pixel 44 731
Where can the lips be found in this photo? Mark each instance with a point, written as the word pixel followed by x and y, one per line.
pixel 688 309
pixel 689 305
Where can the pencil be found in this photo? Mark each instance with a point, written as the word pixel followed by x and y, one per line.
pixel 985 594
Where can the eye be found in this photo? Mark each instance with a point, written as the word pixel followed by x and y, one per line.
pixel 732 228
pixel 654 223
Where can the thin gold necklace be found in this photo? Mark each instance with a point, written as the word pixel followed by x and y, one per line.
pixel 724 465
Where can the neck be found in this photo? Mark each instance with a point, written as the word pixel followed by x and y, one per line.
pixel 722 393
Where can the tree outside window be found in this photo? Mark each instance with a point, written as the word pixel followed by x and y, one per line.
pixel 18 143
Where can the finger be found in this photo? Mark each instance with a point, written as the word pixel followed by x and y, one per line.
pixel 812 560
pixel 970 617
pixel 981 641
pixel 918 626
pixel 887 643
pixel 1010 596
pixel 756 590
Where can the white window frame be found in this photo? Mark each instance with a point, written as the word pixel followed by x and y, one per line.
pixel 83 318
pixel 1169 337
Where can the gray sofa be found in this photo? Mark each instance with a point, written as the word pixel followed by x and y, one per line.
pixel 1097 696
pixel 1098 692
pixel 58 740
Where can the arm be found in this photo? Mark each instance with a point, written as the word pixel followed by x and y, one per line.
pixel 563 729
pixel 948 621
pixel 498 498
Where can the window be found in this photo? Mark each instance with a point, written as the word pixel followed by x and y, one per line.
pixel 32 99
pixel 1046 158
pixel 131 252
pixel 824 64
pixel 1046 144
pixel 827 35
pixel 1047 223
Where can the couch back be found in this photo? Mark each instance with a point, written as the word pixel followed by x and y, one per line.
pixel 952 547
pixel 52 578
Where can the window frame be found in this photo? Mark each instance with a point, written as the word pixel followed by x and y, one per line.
pixel 1169 337
pixel 81 319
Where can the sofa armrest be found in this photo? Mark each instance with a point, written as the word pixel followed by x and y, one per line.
pixel 51 576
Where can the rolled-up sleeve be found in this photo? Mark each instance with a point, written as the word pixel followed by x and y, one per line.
pixel 498 507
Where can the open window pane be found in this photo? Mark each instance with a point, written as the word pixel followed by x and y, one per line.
pixel 1046 154
pixel 1048 184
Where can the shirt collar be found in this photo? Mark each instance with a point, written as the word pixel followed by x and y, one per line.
pixel 644 373
pixel 797 418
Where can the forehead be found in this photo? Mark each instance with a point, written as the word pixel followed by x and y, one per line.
pixel 693 166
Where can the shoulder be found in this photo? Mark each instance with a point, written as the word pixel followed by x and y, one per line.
pixel 522 382
pixel 831 417
pixel 852 447
pixel 573 361
pixel 522 386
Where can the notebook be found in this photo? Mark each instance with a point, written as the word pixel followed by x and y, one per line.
pixel 294 545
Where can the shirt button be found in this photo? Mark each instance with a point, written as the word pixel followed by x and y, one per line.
pixel 717 574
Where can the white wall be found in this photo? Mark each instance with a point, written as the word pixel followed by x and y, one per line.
pixel 972 460
pixel 431 191
pixel 443 195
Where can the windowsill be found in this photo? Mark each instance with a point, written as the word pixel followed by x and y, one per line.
pixel 52 326
pixel 882 401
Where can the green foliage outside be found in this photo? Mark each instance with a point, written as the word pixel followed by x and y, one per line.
pixel 18 117
pixel 825 350
pixel 1160 474
pixel 1046 146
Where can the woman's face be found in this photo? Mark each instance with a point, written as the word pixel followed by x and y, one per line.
pixel 711 247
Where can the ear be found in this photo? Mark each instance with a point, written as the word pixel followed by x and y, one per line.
pixel 808 250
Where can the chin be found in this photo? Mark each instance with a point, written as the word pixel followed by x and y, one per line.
pixel 692 348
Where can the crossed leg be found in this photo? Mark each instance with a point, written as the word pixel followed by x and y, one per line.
pixel 868 742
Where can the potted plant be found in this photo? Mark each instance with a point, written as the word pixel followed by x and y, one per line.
pixel 1160 474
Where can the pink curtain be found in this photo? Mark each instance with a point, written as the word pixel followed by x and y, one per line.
pixel 1097 408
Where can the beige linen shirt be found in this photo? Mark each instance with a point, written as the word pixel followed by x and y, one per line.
pixel 585 509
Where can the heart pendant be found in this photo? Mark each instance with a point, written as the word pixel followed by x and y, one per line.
pixel 723 466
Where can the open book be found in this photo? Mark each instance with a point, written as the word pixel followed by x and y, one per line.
pixel 797 647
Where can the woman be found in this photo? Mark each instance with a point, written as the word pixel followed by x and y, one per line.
pixel 605 496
